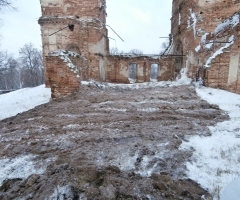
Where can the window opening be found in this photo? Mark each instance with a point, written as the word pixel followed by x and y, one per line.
pixel 133 71
pixel 154 71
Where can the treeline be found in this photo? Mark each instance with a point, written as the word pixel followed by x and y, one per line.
pixel 24 71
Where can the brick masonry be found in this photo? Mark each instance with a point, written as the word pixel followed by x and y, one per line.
pixel 88 39
pixel 194 24
pixel 198 23
pixel 60 77
pixel 118 68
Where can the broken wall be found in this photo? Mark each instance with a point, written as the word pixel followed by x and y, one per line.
pixel 148 69
pixel 88 37
pixel 209 33
pixel 63 75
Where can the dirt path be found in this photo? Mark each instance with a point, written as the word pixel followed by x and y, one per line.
pixel 108 144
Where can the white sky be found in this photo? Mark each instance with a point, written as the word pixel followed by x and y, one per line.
pixel 138 22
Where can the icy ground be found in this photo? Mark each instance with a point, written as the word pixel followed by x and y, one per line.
pixel 216 159
pixel 19 167
pixel 23 100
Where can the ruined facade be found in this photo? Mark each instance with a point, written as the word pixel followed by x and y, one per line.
pixel 73 26
pixel 204 36
pixel 87 38
pixel 207 32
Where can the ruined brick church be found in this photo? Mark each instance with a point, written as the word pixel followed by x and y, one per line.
pixel 204 41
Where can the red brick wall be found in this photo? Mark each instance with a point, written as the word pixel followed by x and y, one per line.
pixel 62 80
pixel 86 8
pixel 88 37
pixel 118 68
pixel 209 15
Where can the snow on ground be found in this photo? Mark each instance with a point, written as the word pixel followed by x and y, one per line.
pixel 183 80
pixel 65 192
pixel 22 100
pixel 19 167
pixel 216 159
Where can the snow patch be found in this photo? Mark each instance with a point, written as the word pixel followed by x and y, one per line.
pixel 179 18
pixel 72 126
pixel 23 100
pixel 215 161
pixel 19 167
pixel 131 80
pixel 192 21
pixel 64 55
pixel 228 23
pixel 124 161
pixel 209 45
pixel 148 110
pixel 153 80
pixel 197 49
pixel 35 118
pixel 114 109
pixel 204 38
pixel 220 51
pixel 69 115
pixel 64 192
pixel 184 80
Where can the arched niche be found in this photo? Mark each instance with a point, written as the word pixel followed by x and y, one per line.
pixel 73 48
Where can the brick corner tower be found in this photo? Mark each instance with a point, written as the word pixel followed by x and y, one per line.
pixel 76 26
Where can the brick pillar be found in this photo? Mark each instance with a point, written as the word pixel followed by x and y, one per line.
pixel 62 79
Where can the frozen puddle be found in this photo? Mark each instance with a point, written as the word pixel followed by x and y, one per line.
pixel 19 167
pixel 216 159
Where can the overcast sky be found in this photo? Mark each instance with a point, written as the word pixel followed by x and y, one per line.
pixel 139 22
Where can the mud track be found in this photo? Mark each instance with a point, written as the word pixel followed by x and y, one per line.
pixel 110 143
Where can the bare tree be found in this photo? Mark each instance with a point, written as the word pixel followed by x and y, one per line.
pixel 8 72
pixel 3 60
pixel 164 46
pixel 116 51
pixel 6 4
pixel 8 65
pixel 32 65
pixel 26 71
pixel 135 52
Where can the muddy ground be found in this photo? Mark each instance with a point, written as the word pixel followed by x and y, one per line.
pixel 111 143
